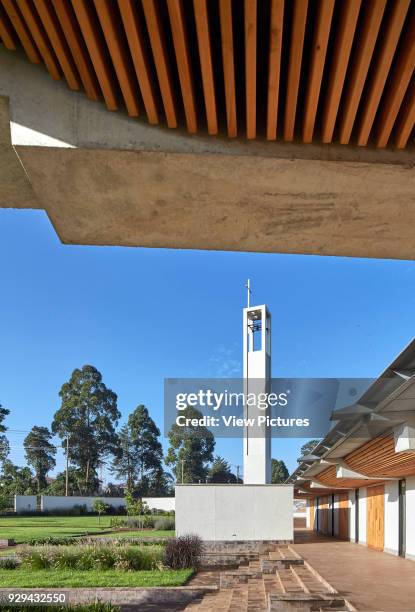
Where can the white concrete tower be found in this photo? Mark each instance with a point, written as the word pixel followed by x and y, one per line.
pixel 257 374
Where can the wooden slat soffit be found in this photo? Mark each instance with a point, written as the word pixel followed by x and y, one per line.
pixel 325 71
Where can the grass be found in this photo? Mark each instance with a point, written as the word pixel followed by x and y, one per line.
pixel 27 578
pixel 23 528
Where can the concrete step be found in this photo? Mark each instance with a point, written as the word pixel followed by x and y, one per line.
pixel 270 566
pixel 257 601
pixel 310 581
pixel 213 602
pixel 304 602
pixel 228 559
pixel 269 581
pixel 239 600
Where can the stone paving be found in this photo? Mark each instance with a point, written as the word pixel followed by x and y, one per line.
pixel 370 580
pixel 275 580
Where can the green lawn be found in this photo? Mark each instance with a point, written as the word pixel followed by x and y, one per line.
pixel 24 528
pixel 21 578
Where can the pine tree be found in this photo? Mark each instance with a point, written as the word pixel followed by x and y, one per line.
pixel 279 472
pixel 191 449
pixel 220 471
pixel 40 454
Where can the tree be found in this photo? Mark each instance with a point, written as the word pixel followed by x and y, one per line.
pixel 99 506
pixel 308 447
pixel 114 490
pixel 16 480
pixel 4 443
pixel 160 484
pixel 40 454
pixel 4 449
pixel 138 457
pixel 220 471
pixel 124 464
pixel 3 413
pixel 191 449
pixel 279 472
pixel 75 483
pixel 134 506
pixel 87 418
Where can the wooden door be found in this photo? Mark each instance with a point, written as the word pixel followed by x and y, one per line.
pixel 343 510
pixel 311 506
pixel 324 515
pixel 375 517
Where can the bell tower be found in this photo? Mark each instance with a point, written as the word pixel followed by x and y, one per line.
pixel 257 375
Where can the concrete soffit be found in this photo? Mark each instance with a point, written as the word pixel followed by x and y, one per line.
pixel 15 187
pixel 106 179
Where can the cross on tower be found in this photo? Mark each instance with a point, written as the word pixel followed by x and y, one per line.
pixel 249 292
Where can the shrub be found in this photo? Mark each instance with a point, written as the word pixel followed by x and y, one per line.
pixel 35 558
pixel 124 541
pixel 164 523
pixel 102 556
pixel 183 552
pixel 8 563
pixel 137 558
pixel 160 512
pixel 145 521
pixel 52 541
pixel 135 506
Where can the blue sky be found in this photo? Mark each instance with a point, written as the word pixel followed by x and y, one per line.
pixel 140 315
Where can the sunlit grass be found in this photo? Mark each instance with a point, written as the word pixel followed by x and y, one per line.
pixel 27 578
pixel 23 528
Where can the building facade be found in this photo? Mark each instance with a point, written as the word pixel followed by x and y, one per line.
pixel 359 481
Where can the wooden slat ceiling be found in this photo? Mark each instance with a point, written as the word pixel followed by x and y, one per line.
pixel 329 479
pixel 376 458
pixel 339 71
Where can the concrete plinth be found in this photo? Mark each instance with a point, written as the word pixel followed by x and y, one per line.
pixel 235 513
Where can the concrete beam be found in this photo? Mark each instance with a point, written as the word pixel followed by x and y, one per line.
pixel 105 179
pixel 15 187
pixel 343 470
pixel 404 435
pixel 315 484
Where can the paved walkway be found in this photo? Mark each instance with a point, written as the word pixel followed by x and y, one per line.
pixel 274 580
pixel 368 579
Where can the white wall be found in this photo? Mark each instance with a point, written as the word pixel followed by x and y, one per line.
pixel 352 516
pixel 308 514
pixel 410 517
pixel 25 503
pixel 335 509
pixel 161 503
pixel 235 512
pixel 58 502
pixel 362 515
pixel 391 523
